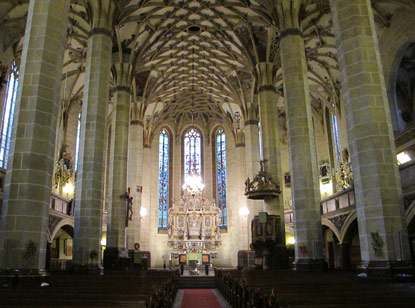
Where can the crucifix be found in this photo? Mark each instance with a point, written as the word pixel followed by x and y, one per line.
pixel 129 206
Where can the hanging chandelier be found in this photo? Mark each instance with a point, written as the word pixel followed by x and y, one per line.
pixel 193 185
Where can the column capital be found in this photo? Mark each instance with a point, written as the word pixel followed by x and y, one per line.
pixel 102 14
pixel 102 31
pixel 122 71
pixel 251 122
pixel 288 12
pixel 265 75
pixel 252 114
pixel 136 122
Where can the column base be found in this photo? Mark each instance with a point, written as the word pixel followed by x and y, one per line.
pixel 386 269
pixel 113 260
pixel 24 277
pixel 310 265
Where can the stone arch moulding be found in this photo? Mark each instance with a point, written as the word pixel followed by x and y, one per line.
pixel 327 223
pixel 63 222
pixel 350 219
pixel 392 47
pixel 410 213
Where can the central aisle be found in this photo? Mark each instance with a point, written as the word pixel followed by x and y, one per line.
pixel 200 298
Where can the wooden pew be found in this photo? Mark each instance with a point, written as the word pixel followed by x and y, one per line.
pixel 289 289
pixel 116 289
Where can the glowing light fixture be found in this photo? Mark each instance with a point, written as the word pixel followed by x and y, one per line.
pixel 291 241
pixel 193 184
pixel 103 241
pixel 143 212
pixel 68 188
pixel 244 211
pixel 403 158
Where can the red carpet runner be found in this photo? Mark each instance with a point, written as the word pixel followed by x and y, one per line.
pixel 200 298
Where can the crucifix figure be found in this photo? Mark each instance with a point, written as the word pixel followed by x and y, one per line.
pixel 129 206
pixel 262 164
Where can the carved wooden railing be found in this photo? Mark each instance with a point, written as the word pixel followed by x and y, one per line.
pixel 338 201
pixel 289 217
pixel 61 205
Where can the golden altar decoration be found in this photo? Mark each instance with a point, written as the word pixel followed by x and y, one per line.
pixel 193 222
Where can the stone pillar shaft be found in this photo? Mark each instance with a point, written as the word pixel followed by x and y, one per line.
pixel 251 131
pixel 303 161
pixel 270 139
pixel 135 179
pixel 117 210
pixel 28 182
pixel 242 200
pixel 89 184
pixel 150 220
pixel 377 185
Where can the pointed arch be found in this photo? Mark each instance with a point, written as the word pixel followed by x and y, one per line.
pixel 219 173
pixel 192 152
pixel 8 114
pixel 164 187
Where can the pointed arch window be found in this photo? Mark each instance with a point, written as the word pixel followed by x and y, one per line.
pixel 260 141
pixel 220 156
pixel 164 165
pixel 336 138
pixel 8 114
pixel 192 153
pixel 78 136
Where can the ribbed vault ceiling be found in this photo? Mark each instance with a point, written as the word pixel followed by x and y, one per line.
pixel 196 59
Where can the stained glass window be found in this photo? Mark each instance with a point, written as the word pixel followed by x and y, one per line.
pixel 221 175
pixel 260 141
pixel 8 113
pixel 192 153
pixel 78 135
pixel 336 137
pixel 164 143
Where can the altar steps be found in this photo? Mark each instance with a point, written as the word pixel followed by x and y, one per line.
pixel 197 282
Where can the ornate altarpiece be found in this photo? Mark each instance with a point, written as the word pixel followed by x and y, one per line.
pixel 193 224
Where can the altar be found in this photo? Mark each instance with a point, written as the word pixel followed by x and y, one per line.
pixel 193 226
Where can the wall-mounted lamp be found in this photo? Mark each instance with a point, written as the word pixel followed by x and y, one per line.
pixel 291 241
pixel 244 211
pixel 143 212
pixel 68 189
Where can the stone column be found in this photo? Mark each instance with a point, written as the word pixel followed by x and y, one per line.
pixel 135 179
pixel 89 183
pixel 29 176
pixel 145 227
pixel 270 138
pixel 381 221
pixel 117 205
pixel 303 157
pixel 252 158
pixel 243 225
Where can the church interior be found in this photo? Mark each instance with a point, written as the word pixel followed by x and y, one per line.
pixel 145 141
